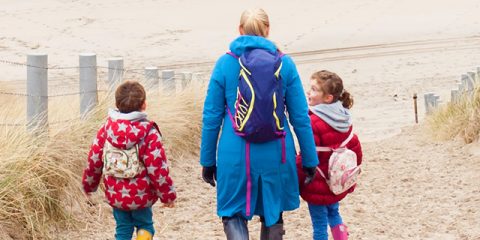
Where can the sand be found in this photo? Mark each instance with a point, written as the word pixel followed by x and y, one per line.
pixel 412 187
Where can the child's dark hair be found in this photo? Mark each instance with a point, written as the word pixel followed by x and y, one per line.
pixel 130 96
pixel 331 83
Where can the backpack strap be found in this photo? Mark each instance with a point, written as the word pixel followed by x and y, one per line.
pixel 284 149
pixel 280 53
pixel 249 180
pixel 154 125
pixel 344 143
pixel 329 149
pixel 233 55
pixel 321 173
pixel 234 124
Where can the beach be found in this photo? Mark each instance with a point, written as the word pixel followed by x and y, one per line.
pixel 412 186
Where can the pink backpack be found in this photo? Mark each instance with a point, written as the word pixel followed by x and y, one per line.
pixel 342 167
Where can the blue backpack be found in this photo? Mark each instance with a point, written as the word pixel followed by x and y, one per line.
pixel 259 107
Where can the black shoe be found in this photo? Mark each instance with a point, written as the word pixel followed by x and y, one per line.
pixel 263 232
pixel 275 232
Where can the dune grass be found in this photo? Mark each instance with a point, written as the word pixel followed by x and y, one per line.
pixel 40 173
pixel 458 119
pixel 39 177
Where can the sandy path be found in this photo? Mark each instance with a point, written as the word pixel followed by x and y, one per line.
pixel 427 190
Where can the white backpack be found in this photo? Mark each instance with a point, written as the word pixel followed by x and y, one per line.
pixel 121 163
pixel 342 167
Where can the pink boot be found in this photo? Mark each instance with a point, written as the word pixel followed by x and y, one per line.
pixel 340 232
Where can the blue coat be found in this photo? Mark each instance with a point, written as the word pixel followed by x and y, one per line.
pixel 274 186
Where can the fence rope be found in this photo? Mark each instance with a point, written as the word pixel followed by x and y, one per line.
pixel 69 93
pixel 51 95
pixel 19 64
pixel 134 71
pixel 12 125
pixel 63 121
pixel 74 93
pixel 50 123
pixel 13 94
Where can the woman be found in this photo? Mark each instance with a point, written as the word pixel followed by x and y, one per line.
pixel 272 183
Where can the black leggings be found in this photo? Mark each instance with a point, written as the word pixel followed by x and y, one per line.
pixel 262 219
pixel 280 220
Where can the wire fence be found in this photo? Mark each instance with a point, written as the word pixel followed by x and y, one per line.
pixel 49 83
pixel 465 88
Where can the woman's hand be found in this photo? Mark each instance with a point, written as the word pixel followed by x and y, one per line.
pixel 209 175
pixel 310 174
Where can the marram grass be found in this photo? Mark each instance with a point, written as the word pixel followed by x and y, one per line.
pixel 458 119
pixel 40 172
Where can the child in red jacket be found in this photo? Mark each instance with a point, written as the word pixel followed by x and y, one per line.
pixel 129 153
pixel 331 124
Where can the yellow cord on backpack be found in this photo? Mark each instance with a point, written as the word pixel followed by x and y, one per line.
pixel 277 121
pixel 250 108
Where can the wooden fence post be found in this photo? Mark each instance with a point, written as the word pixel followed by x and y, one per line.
pixel 471 81
pixel 436 101
pixel 88 83
pixel 168 80
pixel 115 72
pixel 477 80
pixel 186 79
pixel 151 77
pixel 37 91
pixel 428 97
pixel 455 95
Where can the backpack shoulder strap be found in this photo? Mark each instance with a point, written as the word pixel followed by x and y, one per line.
pixel 233 55
pixel 321 173
pixel 344 143
pixel 280 54
pixel 154 125
pixel 323 149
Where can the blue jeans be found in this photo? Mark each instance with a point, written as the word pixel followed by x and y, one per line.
pixel 127 221
pixel 322 216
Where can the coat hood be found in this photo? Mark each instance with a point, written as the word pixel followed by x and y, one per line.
pixel 334 114
pixel 248 42
pixel 126 129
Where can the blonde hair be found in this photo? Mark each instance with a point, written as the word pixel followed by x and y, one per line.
pixel 255 22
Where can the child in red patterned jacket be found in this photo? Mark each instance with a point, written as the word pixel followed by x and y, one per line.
pixel 131 197
pixel 331 124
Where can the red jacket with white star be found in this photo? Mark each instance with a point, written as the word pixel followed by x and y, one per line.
pixel 144 189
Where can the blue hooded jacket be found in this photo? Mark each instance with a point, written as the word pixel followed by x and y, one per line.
pixel 274 187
